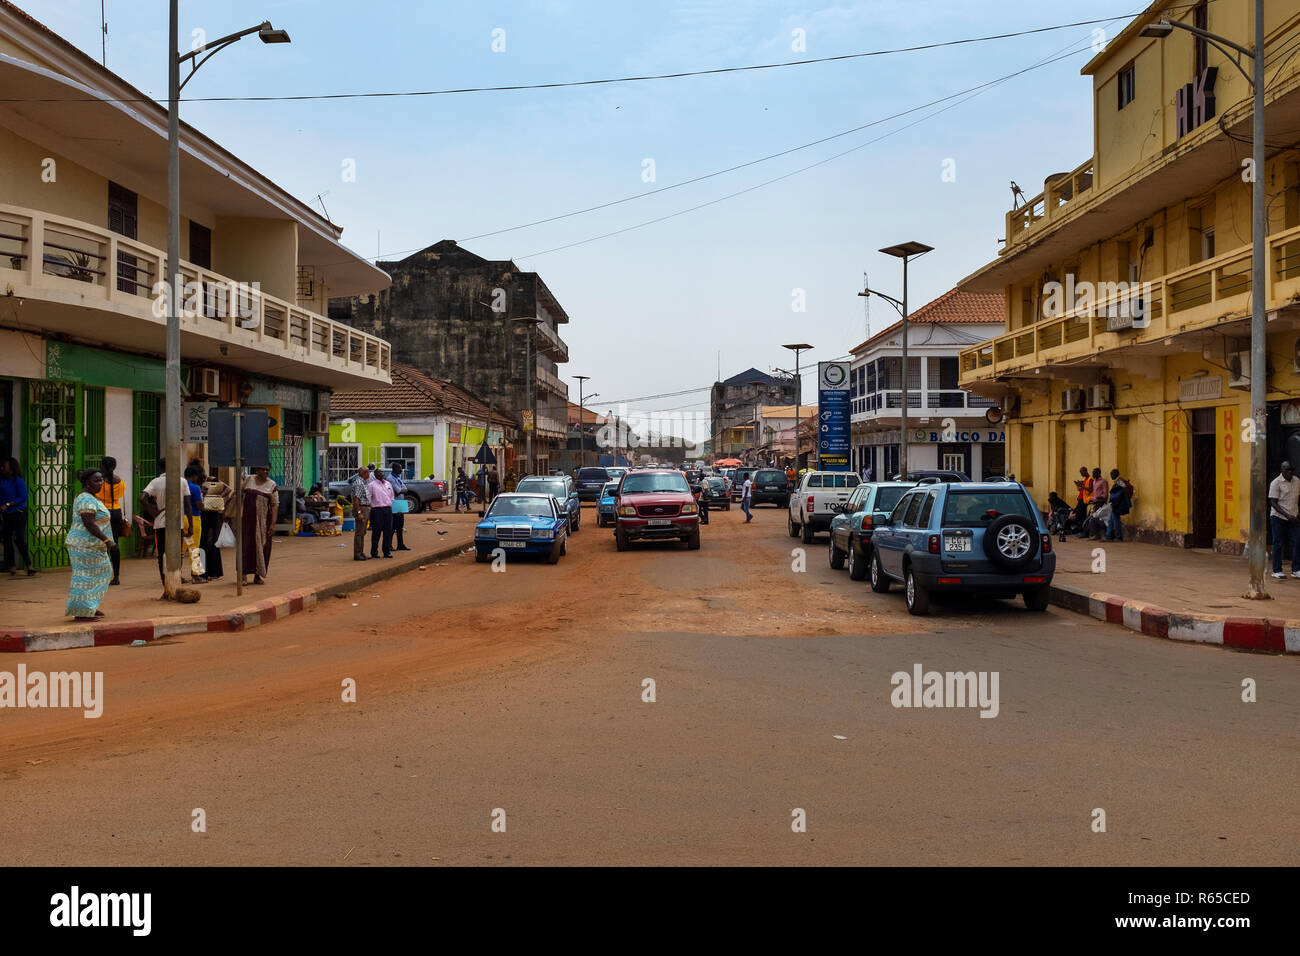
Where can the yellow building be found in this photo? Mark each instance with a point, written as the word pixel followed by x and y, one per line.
pixel 1128 285
pixel 83 229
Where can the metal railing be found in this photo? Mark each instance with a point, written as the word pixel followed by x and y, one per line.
pixel 51 252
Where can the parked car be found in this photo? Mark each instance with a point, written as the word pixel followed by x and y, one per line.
pixel 852 526
pixel 524 524
pixel 932 475
pixel 810 508
pixel 616 472
pixel 562 487
pixel 771 487
pixel 590 481
pixel 738 482
pixel 716 491
pixel 420 492
pixel 605 504
pixel 975 537
pixel 654 505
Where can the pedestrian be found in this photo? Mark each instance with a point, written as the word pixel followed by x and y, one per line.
pixel 746 492
pixel 702 496
pixel 261 504
pixel 1283 498
pixel 1099 520
pixel 113 495
pixel 195 475
pixel 153 505
pixel 216 496
pixel 1120 505
pixel 462 490
pixel 1100 489
pixel 398 483
pixel 359 492
pixel 381 513
pixel 480 483
pixel 1084 486
pixel 512 482
pixel 494 483
pixel 89 542
pixel 13 516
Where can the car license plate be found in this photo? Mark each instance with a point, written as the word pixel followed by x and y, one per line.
pixel 660 522
pixel 769 488
pixel 956 543
pixel 513 544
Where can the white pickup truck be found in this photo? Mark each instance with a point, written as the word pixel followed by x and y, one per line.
pixel 811 501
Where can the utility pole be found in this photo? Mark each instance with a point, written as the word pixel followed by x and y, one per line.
pixel 582 437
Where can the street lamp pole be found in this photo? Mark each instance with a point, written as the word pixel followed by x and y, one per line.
pixel 175 282
pixel 582 441
pixel 1255 545
pixel 798 396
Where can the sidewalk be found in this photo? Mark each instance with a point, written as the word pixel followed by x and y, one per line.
pixel 302 570
pixel 1175 593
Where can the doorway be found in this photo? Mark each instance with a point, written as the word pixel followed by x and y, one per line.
pixel 1204 486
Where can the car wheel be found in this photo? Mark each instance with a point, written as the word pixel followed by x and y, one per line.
pixel 918 598
pixel 879 582
pixel 857 561
pixel 481 557
pixel 413 505
pixel 693 542
pixel 806 533
pixel 794 528
pixel 1011 542
pixel 564 546
pixel 1038 598
pixel 554 556
pixel 620 539
pixel 837 556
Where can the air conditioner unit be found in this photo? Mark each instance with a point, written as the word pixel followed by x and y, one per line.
pixel 1073 399
pixel 1011 407
pixel 1099 396
pixel 320 423
pixel 208 382
pixel 1239 370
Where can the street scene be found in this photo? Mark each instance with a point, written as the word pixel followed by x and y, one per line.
pixel 422 448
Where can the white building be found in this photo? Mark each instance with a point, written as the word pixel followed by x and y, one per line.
pixel 947 427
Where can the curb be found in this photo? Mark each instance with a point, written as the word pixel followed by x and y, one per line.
pixel 246 617
pixel 1243 633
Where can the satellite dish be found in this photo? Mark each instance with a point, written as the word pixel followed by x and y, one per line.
pixel 994 415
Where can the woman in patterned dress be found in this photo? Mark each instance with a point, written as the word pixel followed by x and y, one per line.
pixel 89 541
pixel 260 506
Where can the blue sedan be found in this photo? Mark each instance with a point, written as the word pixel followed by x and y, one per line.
pixel 522 524
pixel 605 505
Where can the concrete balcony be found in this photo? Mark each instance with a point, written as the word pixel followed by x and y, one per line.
pixel 82 281
pixel 1058 192
pixel 888 403
pixel 1212 297
pixel 547 382
pixel 548 427
pixel 550 344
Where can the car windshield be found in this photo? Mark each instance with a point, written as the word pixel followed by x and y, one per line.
pixel 975 509
pixel 769 476
pixel 551 486
pixel 593 474
pixel 716 483
pixel 637 484
pixel 886 498
pixel 609 488
pixel 521 507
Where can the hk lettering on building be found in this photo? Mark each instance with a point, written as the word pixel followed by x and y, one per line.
pixel 1195 101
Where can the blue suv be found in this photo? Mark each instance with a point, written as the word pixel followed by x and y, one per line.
pixel 976 537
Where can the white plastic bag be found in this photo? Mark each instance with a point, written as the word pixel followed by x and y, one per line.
pixel 226 538
pixel 198 562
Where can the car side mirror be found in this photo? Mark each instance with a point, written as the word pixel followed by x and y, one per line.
pixel 879 519
pixel 482 513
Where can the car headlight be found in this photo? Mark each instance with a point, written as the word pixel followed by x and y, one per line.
pixel 544 533
pixel 482 532
pixel 627 510
pixel 689 509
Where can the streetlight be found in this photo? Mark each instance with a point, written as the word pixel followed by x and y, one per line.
pixel 1258 321
pixel 905 251
pixel 172 488
pixel 582 441
pixel 528 323
pixel 798 396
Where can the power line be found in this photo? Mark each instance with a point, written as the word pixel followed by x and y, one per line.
pixel 575 83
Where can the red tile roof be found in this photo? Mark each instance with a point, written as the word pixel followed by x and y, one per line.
pixel 953 307
pixel 415 393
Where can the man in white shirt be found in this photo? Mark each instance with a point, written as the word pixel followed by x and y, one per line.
pixel 1283 502
pixel 155 495
pixel 746 493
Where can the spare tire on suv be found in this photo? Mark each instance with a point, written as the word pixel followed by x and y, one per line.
pixel 1011 542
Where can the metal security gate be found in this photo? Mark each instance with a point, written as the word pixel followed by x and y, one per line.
pixel 147 451
pixel 50 463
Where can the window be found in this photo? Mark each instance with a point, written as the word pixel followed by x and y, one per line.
pixel 814 481
pixel 200 245
pixel 897 516
pixel 342 461
pixel 887 497
pixel 924 521
pixel 123 217
pixel 913 508
pixel 1207 244
pixel 1127 85
pixel 407 456
pixel 1201 20
pixel 975 509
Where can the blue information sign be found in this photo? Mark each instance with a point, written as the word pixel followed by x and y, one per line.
pixel 833 416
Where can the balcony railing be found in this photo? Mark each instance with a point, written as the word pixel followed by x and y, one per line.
pixel 1050 203
pixel 932 399
pixel 547 380
pixel 550 343
pixel 49 252
pixel 1198 296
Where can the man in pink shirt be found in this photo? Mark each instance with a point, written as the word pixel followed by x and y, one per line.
pixel 381 511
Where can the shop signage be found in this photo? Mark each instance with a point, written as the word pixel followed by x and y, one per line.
pixel 1202 387
pixel 453 433
pixel 66 362
pixel 527 415
pixel 278 393
pixel 833 415
pixel 1195 101
pixel 194 421
pixel 983 435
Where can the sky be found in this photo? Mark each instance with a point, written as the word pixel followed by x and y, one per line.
pixel 664 307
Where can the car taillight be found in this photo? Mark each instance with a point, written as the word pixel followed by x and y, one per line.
pixel 1035 580
pixel 810 504
pixel 866 521
pixel 950 580
pixel 934 544
pixel 1047 543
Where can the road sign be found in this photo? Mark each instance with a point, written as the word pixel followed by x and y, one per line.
pixel 833 412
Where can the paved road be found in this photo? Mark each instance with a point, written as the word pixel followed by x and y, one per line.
pixel 523 691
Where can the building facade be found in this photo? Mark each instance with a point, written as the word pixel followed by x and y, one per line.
pixel 947 427
pixel 83 191
pixel 456 317
pixel 734 405
pixel 1128 283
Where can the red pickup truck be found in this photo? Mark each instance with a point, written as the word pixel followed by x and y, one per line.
pixel 655 505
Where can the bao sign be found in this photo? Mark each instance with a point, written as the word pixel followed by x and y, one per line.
pixel 833 416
